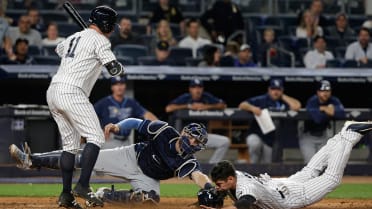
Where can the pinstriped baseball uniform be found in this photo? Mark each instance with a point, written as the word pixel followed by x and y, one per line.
pixel 82 56
pixel 307 186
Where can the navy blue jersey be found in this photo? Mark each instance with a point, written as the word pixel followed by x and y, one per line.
pixel 111 111
pixel 157 156
pixel 320 120
pixel 206 98
pixel 264 101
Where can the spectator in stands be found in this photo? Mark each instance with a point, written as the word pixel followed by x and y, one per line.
pixel 20 55
pixel 117 107
pixel 360 50
pixel 36 20
pixel 211 57
pixel 316 9
pixel 162 55
pixel 222 20
pixel 317 58
pixel 230 55
pixel 168 12
pixel 269 43
pixel 4 25
pixel 52 38
pixel 244 57
pixel 308 27
pixel 25 31
pixel 164 33
pixel 341 29
pixel 197 99
pixel 3 6
pixel 259 144
pixel 125 35
pixel 322 108
pixel 193 40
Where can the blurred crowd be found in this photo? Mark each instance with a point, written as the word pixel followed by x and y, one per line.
pixel 221 36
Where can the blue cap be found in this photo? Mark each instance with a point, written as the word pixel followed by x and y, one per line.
pixel 276 84
pixel 324 85
pixel 118 79
pixel 196 82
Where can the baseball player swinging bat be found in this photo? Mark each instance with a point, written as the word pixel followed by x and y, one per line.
pixel 74 15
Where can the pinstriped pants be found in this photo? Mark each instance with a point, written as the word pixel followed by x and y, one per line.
pixel 74 115
pixel 332 159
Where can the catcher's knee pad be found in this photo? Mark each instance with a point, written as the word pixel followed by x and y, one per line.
pixel 127 196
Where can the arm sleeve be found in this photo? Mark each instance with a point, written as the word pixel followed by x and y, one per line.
pixel 179 100
pixel 213 100
pixel 349 53
pixel 103 50
pixel 139 111
pixel 317 115
pixel 309 60
pixel 339 109
pixel 59 49
pixel 253 101
pixel 128 124
pixel 151 129
pixel 245 202
pixel 179 18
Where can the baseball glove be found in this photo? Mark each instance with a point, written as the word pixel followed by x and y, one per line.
pixel 211 198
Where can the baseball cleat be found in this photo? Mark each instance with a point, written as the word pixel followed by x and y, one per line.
pixel 21 157
pixel 87 194
pixel 67 200
pixel 359 127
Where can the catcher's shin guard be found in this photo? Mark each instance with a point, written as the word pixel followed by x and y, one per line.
pixel 127 196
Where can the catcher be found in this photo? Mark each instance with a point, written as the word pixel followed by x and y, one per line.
pixel 164 154
pixel 318 178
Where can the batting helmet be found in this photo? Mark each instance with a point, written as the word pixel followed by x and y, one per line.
pixel 104 17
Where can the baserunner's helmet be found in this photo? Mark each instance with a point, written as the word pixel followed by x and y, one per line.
pixel 104 18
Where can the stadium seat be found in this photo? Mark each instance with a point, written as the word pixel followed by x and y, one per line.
pixel 131 50
pixel 34 50
pixel 146 60
pixel 335 63
pixel 147 40
pixel 287 42
pixel 340 52
pixel 200 50
pixel 54 17
pixel 191 7
pixel 303 43
pixel 256 20
pixel 66 29
pixel 192 62
pixel 178 54
pixel 356 20
pixel 350 64
pixel 176 31
pixel 125 60
pixel 50 51
pixel 46 60
pixel 273 21
pixel 139 28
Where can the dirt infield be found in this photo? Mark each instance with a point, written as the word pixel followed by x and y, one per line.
pixel 166 203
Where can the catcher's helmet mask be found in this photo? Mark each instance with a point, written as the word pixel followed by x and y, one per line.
pixel 194 131
pixel 104 18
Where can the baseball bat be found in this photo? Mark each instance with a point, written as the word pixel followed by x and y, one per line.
pixel 74 15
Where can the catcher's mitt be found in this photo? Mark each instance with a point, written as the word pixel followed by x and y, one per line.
pixel 211 198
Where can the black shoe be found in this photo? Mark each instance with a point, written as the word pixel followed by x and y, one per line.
pixel 67 200
pixel 88 195
pixel 359 127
